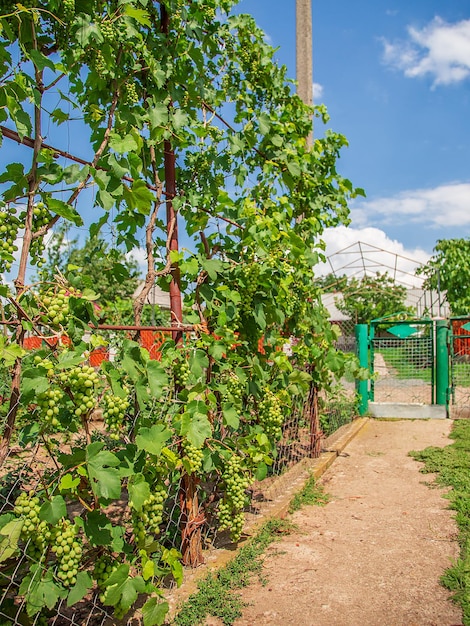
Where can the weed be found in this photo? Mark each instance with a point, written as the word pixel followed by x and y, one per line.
pixel 311 494
pixel 452 468
pixel 216 593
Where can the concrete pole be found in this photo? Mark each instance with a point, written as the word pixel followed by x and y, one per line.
pixel 304 55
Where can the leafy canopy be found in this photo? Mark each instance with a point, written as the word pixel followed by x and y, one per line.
pixel 372 297
pixel 449 270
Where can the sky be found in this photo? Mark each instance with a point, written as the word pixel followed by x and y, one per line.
pixel 395 77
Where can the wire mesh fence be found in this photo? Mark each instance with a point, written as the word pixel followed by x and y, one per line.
pixel 460 368
pixel 29 566
pixel 403 369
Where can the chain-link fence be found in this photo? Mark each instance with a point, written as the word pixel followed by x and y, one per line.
pixel 403 369
pixel 460 368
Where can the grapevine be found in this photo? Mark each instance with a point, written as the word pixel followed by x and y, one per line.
pixel 249 276
pixel 41 217
pixel 114 412
pixel 230 513
pixel 69 9
pixel 46 364
pixel 108 31
pixel 132 96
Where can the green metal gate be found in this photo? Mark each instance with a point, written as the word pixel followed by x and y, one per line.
pixel 402 361
pixel 459 350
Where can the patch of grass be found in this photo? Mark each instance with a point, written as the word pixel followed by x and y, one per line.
pixel 216 593
pixel 452 468
pixel 311 494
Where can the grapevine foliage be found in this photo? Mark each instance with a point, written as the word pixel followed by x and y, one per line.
pixel 181 104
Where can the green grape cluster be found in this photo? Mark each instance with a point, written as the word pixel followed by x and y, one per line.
pixel 104 567
pixel 100 65
pixel 68 550
pixel 108 31
pixel 41 217
pixel 9 226
pixel 132 97
pixel 34 531
pixel 57 306
pixel 114 412
pixel 234 388
pixel 48 404
pixel 181 373
pixel 81 381
pixel 148 520
pixel 194 456
pixel 248 285
pixel 40 541
pixel 27 506
pixel 230 512
pixel 46 364
pixel 68 7
pixel 270 414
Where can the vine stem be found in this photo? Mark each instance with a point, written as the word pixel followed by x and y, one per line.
pixel 19 282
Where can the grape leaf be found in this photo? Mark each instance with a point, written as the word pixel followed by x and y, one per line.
pixel 153 439
pixel 9 536
pixel 154 612
pixel 54 510
pixel 139 491
pixel 80 589
pixel 104 477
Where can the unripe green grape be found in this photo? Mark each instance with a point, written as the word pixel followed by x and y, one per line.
pixel 114 412
pixel 48 408
pixel 194 456
pixel 181 373
pixel 68 549
pixel 148 520
pixel 230 510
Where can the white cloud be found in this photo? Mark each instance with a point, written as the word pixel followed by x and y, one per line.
pixel 140 256
pixel 317 92
pixel 440 50
pixel 359 251
pixel 446 205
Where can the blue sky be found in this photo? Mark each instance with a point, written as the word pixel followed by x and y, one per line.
pixel 395 77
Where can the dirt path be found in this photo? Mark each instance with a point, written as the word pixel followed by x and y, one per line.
pixel 373 555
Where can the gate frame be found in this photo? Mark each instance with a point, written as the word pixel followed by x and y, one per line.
pixel 440 367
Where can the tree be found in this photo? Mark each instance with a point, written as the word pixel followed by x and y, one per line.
pixel 331 282
pixel 372 297
pixel 448 270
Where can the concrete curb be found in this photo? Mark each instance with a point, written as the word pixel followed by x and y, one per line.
pixel 282 490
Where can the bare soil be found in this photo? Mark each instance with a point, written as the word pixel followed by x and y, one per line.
pixel 374 554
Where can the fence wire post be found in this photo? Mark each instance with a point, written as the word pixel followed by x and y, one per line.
pixel 442 363
pixel 361 331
